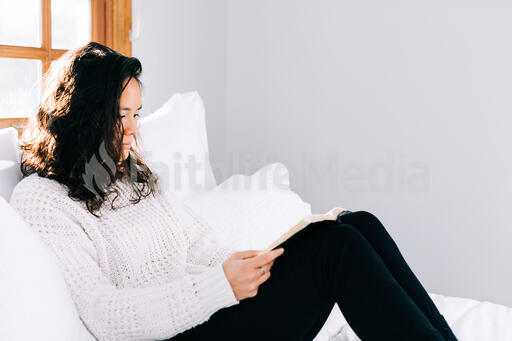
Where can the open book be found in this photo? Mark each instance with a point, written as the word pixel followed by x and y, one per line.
pixel 333 214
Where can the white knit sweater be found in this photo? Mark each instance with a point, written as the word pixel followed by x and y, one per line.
pixel 144 271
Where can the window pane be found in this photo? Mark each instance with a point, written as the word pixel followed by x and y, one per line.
pixel 20 86
pixel 71 23
pixel 20 22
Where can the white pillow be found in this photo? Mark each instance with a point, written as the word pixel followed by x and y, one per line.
pixel 9 144
pixel 34 301
pixel 251 211
pixel 10 173
pixel 173 135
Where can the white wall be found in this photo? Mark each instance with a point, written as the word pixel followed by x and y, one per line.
pixel 401 108
pixel 182 47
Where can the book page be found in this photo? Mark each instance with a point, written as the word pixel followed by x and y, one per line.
pixel 313 218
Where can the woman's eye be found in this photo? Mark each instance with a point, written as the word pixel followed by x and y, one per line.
pixel 137 116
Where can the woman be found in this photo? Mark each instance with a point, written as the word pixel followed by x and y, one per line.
pixel 140 265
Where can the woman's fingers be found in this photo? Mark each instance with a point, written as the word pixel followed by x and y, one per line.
pixel 263 278
pixel 246 270
pixel 266 269
pixel 245 254
pixel 266 258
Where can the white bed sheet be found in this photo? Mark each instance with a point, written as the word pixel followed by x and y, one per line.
pixel 470 320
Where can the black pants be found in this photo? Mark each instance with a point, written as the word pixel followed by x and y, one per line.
pixel 353 262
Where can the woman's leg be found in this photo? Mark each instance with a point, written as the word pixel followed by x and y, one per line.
pixel 381 241
pixel 323 264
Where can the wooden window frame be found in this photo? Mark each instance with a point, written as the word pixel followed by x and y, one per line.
pixel 111 22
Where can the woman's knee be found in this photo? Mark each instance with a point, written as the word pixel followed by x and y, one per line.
pixel 322 236
pixel 365 221
pixel 343 233
pixel 365 217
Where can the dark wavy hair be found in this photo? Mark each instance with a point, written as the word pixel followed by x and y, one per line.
pixel 75 137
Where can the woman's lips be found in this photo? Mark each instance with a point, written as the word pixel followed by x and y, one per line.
pixel 127 145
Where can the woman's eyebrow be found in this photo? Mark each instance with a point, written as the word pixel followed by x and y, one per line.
pixel 127 108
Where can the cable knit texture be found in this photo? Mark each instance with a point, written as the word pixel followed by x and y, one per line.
pixel 141 271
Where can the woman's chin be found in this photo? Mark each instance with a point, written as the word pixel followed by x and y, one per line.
pixel 125 155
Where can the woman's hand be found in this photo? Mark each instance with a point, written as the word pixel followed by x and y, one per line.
pixel 243 271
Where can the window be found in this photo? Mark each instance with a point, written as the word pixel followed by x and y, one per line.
pixel 33 33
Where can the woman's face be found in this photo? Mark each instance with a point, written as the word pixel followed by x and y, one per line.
pixel 129 106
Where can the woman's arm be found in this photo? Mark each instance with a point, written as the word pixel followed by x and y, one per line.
pixel 111 313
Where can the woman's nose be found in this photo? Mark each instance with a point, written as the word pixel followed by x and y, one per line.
pixel 131 126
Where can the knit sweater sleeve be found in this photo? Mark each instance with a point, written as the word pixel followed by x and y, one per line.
pixel 206 246
pixel 109 312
